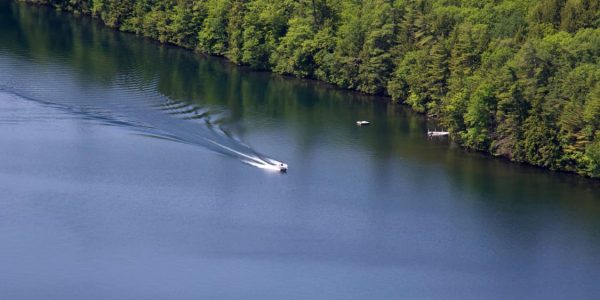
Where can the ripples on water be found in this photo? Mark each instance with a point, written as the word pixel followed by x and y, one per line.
pixel 126 102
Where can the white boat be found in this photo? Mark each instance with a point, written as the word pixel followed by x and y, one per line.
pixel 362 123
pixel 437 133
pixel 282 167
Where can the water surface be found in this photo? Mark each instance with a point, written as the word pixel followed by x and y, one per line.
pixel 112 186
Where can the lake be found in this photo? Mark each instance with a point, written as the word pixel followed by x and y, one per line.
pixel 134 170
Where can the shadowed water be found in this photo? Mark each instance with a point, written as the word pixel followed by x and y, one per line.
pixel 121 177
pixel 126 101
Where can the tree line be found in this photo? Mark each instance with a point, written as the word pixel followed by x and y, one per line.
pixel 515 78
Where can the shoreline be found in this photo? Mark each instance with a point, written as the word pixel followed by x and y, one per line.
pixel 384 98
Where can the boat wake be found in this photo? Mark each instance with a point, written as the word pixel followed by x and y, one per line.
pixel 138 107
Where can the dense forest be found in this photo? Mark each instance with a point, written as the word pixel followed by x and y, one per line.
pixel 515 78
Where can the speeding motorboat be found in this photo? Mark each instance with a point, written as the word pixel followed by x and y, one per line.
pixel 282 167
pixel 362 123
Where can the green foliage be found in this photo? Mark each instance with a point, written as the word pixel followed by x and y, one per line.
pixel 479 118
pixel 296 50
pixel 235 35
pixel 516 78
pixel 212 36
pixel 592 155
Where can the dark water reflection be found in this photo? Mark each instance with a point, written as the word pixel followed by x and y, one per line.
pixel 94 206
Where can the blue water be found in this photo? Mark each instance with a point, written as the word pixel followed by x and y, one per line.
pixel 109 188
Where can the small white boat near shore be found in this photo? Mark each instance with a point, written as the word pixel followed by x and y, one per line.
pixel 363 123
pixel 437 133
